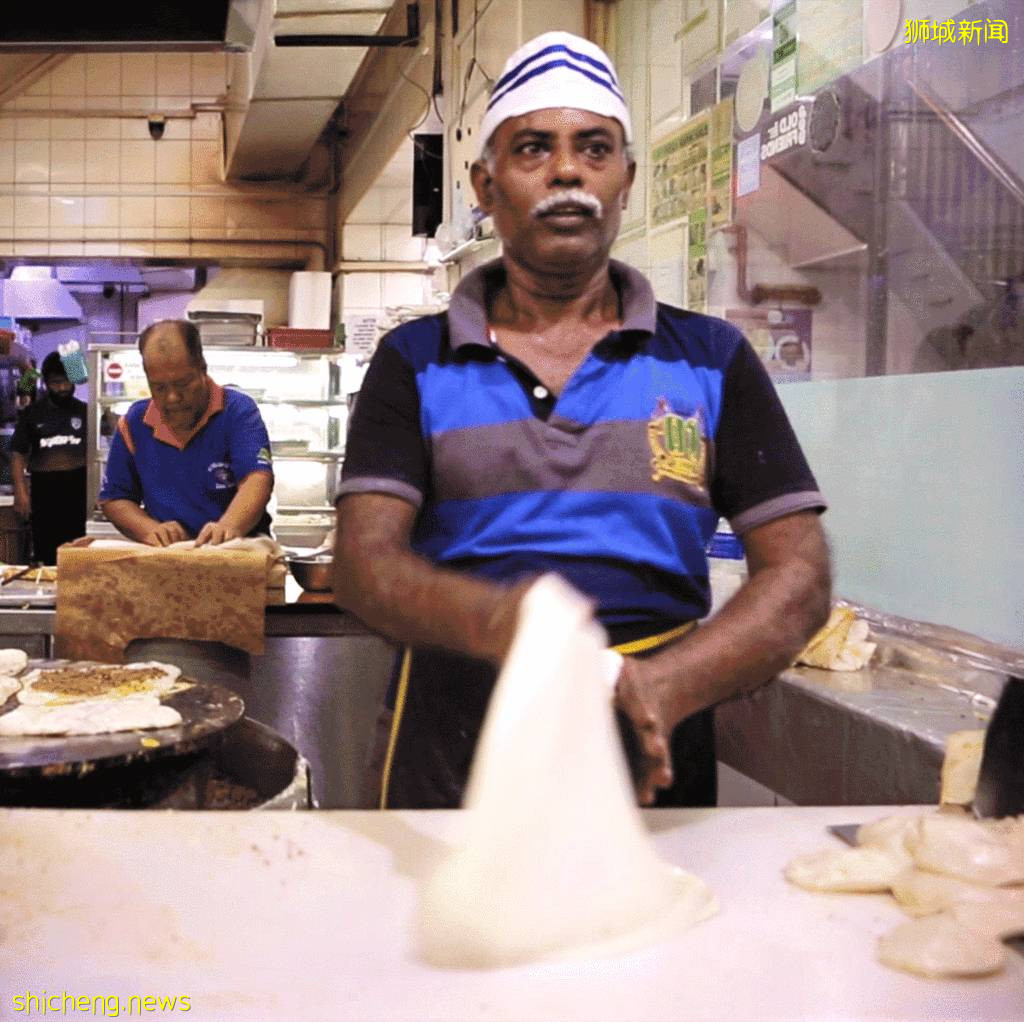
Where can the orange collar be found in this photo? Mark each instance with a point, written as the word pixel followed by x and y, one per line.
pixel 164 433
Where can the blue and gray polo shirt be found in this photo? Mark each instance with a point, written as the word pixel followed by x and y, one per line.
pixel 189 481
pixel 616 484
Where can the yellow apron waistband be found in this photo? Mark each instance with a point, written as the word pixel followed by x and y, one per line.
pixel 653 641
pixel 625 648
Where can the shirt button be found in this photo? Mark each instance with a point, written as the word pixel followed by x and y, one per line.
pixel 540 392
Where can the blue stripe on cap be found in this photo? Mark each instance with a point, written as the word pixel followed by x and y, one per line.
pixel 554 48
pixel 547 67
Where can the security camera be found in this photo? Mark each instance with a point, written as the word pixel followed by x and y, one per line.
pixel 157 123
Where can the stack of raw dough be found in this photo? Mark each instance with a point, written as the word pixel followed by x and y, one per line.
pixel 85 699
pixel 841 644
pixel 961 879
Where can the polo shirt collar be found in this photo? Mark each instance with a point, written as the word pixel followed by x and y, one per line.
pixel 467 310
pixel 164 433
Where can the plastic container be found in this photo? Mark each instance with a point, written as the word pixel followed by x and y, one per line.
pixel 727 566
pixel 291 337
pixel 73 361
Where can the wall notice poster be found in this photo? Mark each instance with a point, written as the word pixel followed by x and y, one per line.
pixel 748 165
pixel 829 42
pixel 783 77
pixel 697 262
pixel 721 163
pixel 679 171
pixel 781 338
pixel 700 32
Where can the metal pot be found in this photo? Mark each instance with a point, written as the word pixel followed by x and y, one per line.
pixel 314 572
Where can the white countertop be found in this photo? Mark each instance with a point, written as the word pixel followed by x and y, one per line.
pixel 289 916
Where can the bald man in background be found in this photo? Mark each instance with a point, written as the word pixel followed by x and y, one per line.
pixel 193 462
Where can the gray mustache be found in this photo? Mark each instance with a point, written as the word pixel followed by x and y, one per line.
pixel 575 196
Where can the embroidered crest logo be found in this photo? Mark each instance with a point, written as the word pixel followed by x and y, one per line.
pixel 76 422
pixel 678 445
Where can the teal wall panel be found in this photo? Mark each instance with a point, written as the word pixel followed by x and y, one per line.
pixel 924 475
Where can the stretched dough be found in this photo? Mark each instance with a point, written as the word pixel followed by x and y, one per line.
pixel 554 861
pixel 89 717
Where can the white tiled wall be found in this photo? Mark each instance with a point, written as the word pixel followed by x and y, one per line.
pixel 380 230
pixel 81 175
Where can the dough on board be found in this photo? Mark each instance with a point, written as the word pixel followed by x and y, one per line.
pixel 969 849
pixel 889 832
pixel 89 717
pixel 554 860
pixel 8 686
pixel 12 662
pixel 937 946
pixel 921 893
pixel 847 869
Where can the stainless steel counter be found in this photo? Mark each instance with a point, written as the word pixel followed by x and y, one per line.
pixel 815 737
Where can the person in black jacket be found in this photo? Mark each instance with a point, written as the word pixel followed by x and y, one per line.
pixel 49 442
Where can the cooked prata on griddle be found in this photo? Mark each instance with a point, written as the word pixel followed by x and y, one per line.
pixel 89 717
pixel 73 683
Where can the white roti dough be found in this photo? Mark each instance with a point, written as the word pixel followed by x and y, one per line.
pixel 996 919
pixel 90 717
pixel 554 861
pixel 888 832
pixel 8 686
pixel 921 893
pixel 847 869
pixel 968 849
pixel 938 946
pixel 12 662
pixel 30 695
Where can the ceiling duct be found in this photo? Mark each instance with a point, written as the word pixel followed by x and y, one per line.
pixel 126 25
pixel 411 37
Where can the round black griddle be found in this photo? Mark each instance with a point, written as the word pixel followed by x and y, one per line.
pixel 121 768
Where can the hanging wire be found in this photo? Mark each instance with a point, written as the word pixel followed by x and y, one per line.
pixel 472 66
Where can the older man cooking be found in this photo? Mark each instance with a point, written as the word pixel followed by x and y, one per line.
pixel 194 461
pixel 558 418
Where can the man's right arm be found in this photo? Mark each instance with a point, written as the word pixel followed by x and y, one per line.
pixel 407 598
pixel 120 499
pixel 19 480
pixel 130 520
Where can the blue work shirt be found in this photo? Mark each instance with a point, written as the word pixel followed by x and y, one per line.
pixel 191 481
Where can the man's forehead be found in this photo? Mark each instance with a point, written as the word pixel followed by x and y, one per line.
pixel 559 121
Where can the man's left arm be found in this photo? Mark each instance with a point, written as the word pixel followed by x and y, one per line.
pixel 754 636
pixel 250 460
pixel 242 514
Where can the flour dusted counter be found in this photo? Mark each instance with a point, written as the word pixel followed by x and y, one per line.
pixel 275 916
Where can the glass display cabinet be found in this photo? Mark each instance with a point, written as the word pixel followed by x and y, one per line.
pixel 302 397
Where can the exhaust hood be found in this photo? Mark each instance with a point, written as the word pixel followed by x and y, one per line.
pixel 33 294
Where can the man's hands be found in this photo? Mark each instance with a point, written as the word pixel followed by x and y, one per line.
pixel 215 533
pixel 164 534
pixel 637 697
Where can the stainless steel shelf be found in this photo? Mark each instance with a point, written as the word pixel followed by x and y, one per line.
pixel 330 402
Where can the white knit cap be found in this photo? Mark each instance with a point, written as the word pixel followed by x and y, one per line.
pixel 556 69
